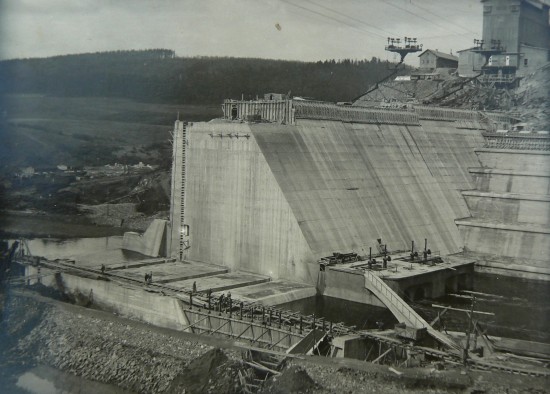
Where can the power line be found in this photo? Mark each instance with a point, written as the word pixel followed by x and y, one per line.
pixel 418 16
pixel 442 17
pixel 332 18
pixel 350 17
pixel 443 36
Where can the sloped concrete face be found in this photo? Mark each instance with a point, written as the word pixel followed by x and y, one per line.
pixel 237 213
pixel 272 199
pixel 349 184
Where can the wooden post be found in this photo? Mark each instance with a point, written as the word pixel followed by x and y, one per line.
pixel 467 347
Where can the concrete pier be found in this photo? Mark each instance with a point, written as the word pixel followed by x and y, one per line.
pixel 410 280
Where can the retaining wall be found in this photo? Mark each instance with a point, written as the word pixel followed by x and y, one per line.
pixel 530 243
pixel 510 181
pixel 510 159
pixel 128 301
pixel 151 243
pixel 510 225
pixel 165 311
pixel 509 208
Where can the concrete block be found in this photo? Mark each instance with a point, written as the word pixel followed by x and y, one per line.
pixel 150 243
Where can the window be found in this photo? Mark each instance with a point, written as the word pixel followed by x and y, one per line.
pixel 487 9
pixel 525 62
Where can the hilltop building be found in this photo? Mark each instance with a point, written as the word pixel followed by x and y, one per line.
pixel 470 63
pixel 515 40
pixel 432 59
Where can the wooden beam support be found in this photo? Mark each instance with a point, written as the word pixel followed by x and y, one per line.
pixel 381 356
pixel 462 310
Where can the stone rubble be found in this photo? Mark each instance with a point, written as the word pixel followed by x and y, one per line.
pixel 146 359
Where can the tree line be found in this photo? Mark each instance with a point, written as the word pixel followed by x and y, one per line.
pixel 158 75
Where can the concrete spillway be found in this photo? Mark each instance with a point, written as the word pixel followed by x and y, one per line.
pixel 273 198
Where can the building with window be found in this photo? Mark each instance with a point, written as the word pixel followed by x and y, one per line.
pixel 431 59
pixel 521 28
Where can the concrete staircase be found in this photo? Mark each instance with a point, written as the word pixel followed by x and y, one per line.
pixel 401 310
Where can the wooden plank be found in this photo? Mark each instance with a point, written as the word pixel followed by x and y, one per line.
pixel 381 356
pixel 262 367
pixel 462 310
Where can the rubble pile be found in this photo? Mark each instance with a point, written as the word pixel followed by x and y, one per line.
pixel 533 99
pixel 128 356
pixel 294 379
pixel 529 102
pixel 476 97
pixel 213 372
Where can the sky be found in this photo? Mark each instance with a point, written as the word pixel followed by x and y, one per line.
pixel 307 30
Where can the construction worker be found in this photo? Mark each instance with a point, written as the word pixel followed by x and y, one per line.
pixel 194 287
pixel 102 269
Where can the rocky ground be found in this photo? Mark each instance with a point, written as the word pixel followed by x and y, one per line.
pixel 101 347
pixel 136 357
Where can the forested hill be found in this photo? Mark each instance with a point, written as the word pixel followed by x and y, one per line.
pixel 159 76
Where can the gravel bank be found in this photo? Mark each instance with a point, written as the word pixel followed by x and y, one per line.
pixel 140 358
pixel 130 356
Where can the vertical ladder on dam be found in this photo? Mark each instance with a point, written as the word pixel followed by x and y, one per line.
pixel 182 190
pixel 401 310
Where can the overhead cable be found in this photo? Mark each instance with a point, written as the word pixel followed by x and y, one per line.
pixel 332 18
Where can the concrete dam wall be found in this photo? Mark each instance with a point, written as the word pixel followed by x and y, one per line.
pixel 509 231
pixel 273 198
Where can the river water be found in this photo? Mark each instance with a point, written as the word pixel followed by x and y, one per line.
pixel 521 308
pixel 46 380
pixel 87 251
